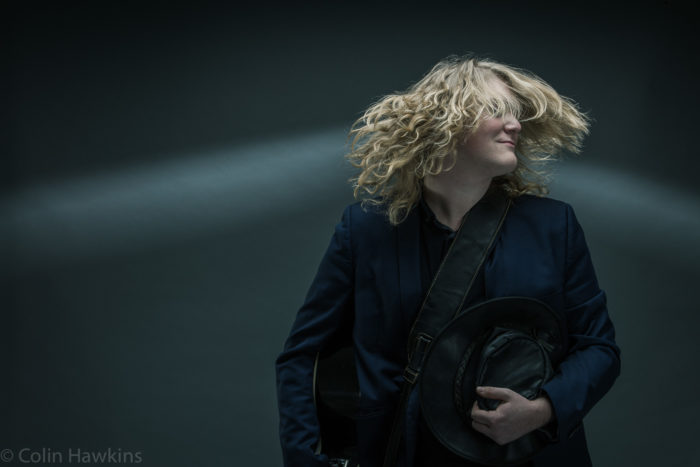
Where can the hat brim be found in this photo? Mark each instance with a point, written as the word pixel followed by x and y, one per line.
pixel 437 385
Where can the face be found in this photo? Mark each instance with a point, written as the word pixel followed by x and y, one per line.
pixel 490 149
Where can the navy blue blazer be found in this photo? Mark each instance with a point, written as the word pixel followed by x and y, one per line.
pixel 371 274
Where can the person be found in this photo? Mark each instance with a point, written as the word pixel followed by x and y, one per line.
pixel 426 156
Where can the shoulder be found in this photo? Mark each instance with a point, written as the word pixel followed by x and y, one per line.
pixel 541 216
pixel 540 208
pixel 539 203
pixel 368 231
pixel 360 218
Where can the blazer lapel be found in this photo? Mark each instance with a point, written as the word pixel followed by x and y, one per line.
pixel 408 253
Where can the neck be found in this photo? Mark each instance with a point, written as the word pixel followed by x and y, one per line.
pixel 450 195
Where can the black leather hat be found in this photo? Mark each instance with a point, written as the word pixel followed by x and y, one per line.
pixel 512 342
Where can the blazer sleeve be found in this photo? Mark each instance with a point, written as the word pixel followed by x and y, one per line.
pixel 593 361
pixel 327 306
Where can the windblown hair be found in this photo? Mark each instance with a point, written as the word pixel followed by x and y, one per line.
pixel 405 136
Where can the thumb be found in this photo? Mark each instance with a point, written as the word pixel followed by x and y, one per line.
pixel 490 392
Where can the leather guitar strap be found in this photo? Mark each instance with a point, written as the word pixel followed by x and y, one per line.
pixel 446 295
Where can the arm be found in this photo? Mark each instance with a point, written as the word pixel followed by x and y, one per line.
pixel 593 361
pixel 327 306
pixel 590 367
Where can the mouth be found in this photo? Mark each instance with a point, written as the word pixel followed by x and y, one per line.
pixel 508 142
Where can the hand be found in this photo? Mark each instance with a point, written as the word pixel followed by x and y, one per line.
pixel 515 417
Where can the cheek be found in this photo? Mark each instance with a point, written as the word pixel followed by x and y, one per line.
pixel 490 127
pixel 477 143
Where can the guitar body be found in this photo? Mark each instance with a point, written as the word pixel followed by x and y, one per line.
pixel 337 395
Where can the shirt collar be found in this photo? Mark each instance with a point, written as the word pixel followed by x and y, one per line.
pixel 428 216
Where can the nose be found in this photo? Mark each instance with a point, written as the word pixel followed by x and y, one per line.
pixel 511 124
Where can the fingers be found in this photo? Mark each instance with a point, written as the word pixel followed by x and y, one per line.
pixel 488 431
pixel 481 428
pixel 501 394
pixel 515 417
pixel 478 418
pixel 482 417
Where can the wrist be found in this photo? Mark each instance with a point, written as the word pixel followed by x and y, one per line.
pixel 544 410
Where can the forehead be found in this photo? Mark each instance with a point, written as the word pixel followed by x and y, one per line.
pixel 496 88
pixel 498 99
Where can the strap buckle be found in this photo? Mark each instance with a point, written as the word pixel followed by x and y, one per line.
pixel 417 358
pixel 337 462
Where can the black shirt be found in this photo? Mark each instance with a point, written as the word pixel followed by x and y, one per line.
pixel 435 239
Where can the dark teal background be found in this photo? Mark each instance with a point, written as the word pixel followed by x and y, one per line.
pixel 172 174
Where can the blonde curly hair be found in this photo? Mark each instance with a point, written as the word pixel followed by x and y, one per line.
pixel 405 136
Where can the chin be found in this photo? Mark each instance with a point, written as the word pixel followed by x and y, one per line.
pixel 507 166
